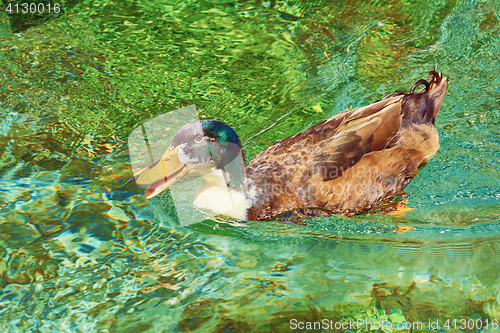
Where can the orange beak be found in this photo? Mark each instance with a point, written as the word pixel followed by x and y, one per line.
pixel 162 174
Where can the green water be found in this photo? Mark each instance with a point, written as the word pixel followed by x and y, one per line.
pixel 81 251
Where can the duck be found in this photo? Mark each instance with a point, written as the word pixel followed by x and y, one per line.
pixel 348 164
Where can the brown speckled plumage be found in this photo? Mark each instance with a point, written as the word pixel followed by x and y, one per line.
pixel 353 161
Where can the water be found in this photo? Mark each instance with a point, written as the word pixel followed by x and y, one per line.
pixel 82 250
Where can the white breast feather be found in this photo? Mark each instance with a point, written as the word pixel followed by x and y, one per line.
pixel 214 196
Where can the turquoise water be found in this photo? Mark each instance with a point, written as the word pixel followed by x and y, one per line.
pixel 83 250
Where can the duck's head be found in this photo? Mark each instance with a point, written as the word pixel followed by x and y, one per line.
pixel 197 149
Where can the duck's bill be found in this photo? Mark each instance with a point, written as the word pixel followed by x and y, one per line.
pixel 162 174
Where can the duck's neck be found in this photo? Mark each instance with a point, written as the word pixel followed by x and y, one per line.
pixel 225 192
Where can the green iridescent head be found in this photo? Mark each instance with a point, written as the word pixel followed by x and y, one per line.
pixel 196 149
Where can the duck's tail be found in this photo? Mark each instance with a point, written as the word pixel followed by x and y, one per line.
pixel 423 106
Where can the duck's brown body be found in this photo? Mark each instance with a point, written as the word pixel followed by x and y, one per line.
pixel 353 161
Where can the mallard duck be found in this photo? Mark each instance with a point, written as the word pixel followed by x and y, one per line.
pixel 348 164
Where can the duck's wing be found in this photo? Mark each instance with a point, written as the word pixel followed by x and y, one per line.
pixel 330 147
pixel 376 122
pixel 360 131
pixel 340 141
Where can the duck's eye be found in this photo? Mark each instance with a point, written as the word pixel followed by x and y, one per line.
pixel 199 139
